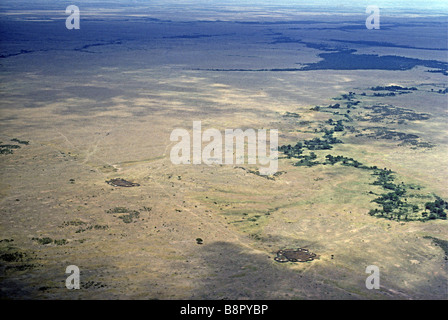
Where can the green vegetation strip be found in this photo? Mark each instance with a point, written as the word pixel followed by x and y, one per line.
pixel 393 203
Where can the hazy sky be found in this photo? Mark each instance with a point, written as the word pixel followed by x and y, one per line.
pixel 423 4
pixel 439 6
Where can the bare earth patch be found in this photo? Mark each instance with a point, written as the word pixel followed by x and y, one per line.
pixel 291 255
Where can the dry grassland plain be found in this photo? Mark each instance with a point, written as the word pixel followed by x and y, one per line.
pixel 99 103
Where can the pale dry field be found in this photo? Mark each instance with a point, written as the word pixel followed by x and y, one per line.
pixel 112 116
pixel 322 209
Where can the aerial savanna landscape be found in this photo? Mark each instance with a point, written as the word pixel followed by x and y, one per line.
pixel 353 105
